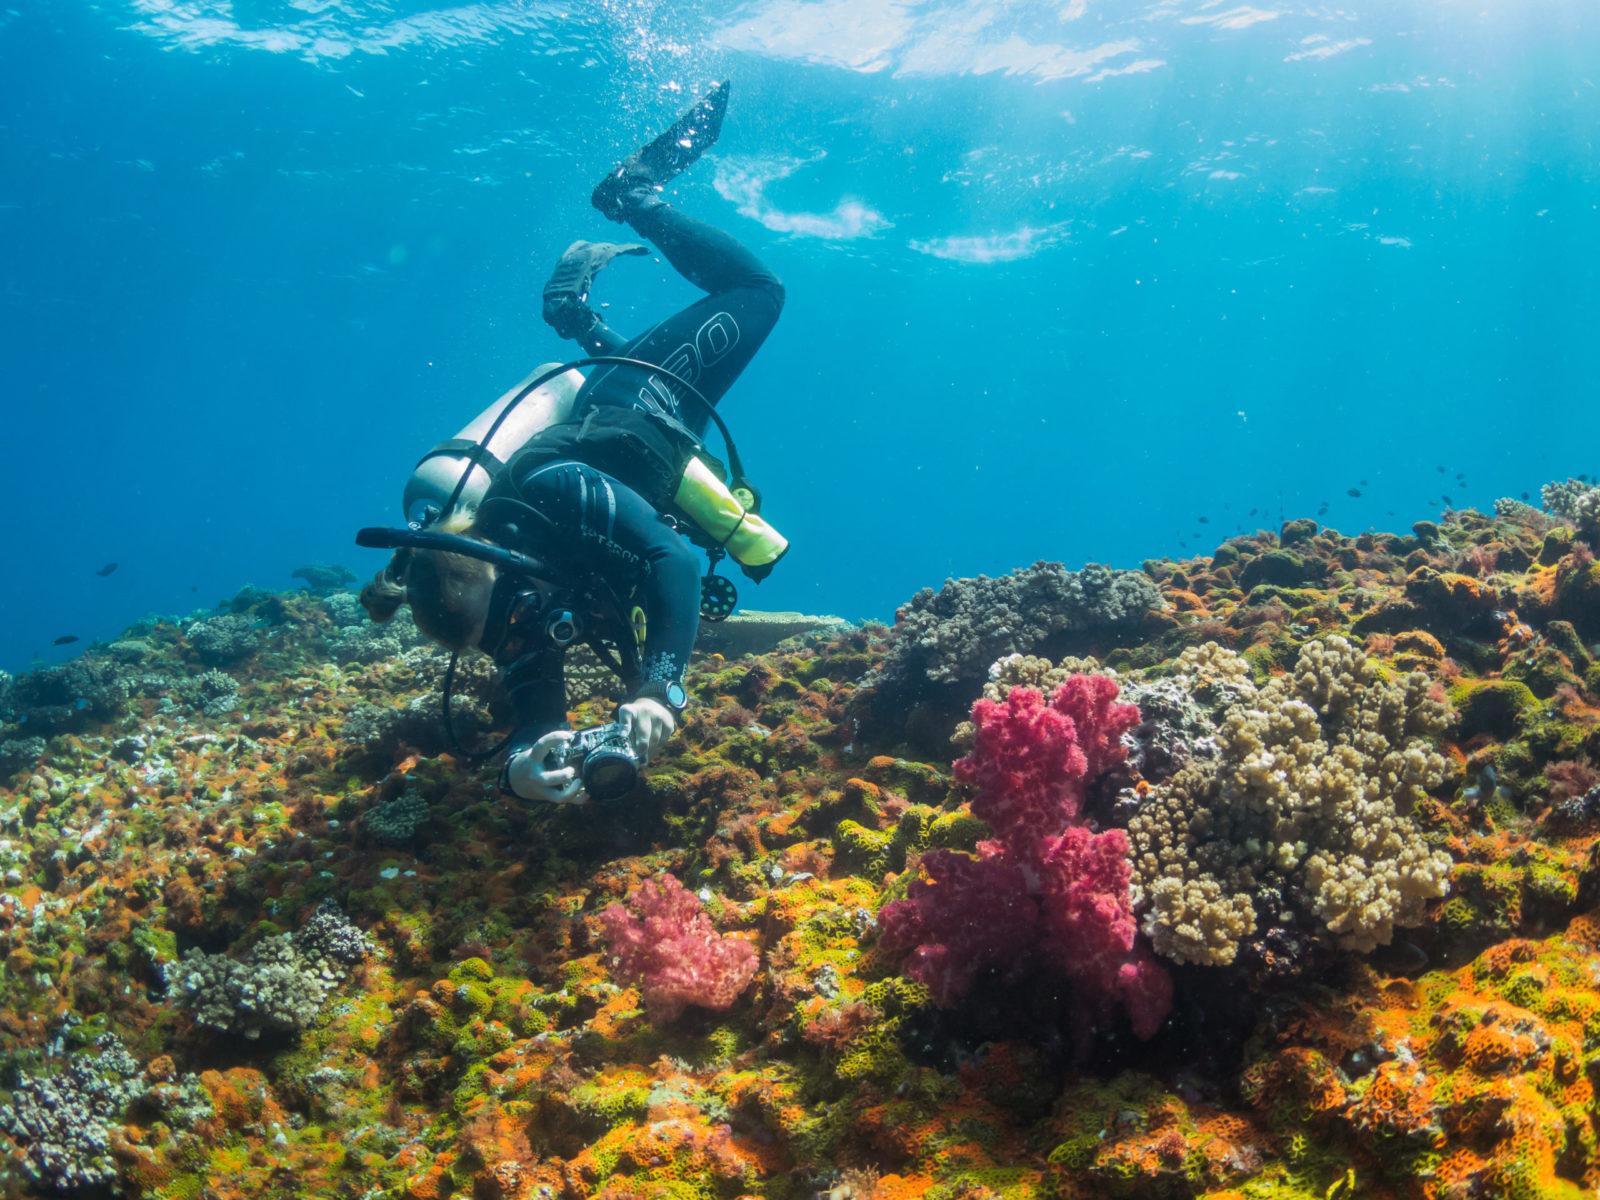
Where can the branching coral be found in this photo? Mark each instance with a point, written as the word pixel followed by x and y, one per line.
pixel 667 945
pixel 329 936
pixel 1305 812
pixel 59 1122
pixel 1179 709
pixel 279 986
pixel 1574 501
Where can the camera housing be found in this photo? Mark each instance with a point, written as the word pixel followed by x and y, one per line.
pixel 604 758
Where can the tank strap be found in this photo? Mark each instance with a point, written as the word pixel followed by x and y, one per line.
pixel 468 449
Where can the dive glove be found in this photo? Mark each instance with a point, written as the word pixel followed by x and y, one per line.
pixel 529 774
pixel 647 724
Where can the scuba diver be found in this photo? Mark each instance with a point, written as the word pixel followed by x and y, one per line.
pixel 565 513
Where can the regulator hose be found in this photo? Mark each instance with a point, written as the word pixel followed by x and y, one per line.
pixel 735 465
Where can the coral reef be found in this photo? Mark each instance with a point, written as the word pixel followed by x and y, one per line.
pixel 286 846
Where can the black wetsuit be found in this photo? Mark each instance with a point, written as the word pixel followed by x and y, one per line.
pixel 606 476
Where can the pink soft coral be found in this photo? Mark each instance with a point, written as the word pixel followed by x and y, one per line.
pixel 968 915
pixel 1032 762
pixel 1046 883
pixel 669 948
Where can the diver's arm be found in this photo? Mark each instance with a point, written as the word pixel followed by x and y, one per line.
pixel 537 687
pixel 671 601
pixel 538 694
pixel 536 771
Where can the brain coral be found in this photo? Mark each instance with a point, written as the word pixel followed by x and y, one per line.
pixel 1303 813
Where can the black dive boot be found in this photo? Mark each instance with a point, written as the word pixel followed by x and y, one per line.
pixel 654 165
pixel 566 292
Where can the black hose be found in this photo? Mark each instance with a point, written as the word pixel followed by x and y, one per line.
pixel 735 466
pixel 472 759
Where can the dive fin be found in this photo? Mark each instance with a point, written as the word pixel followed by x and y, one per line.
pixel 657 163
pixel 567 289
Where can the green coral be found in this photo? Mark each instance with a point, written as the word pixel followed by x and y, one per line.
pixel 1494 706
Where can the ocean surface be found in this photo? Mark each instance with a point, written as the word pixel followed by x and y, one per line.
pixel 1084 280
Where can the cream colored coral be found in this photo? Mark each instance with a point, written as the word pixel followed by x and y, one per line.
pixel 1309 803
pixel 1028 670
pixel 1194 920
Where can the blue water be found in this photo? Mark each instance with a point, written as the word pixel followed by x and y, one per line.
pixel 1063 278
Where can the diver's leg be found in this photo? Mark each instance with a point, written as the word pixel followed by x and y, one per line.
pixel 710 343
pixel 566 295
pixel 708 257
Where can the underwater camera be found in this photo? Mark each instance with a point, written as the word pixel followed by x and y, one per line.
pixel 604 759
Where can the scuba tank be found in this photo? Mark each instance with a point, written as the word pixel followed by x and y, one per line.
pixel 484 444
pixel 720 514
pixel 728 518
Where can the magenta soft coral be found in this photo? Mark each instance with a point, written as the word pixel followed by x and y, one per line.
pixel 1032 762
pixel 669 948
pixel 1045 885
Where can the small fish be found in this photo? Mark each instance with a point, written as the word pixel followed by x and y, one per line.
pixel 1441 470
pixel 106 570
pixel 1364 483
pixel 1254 511
pixel 1353 493
pixel 1403 958
pixel 1448 503
pixel 65 639
pixel 1205 520
pixel 1526 497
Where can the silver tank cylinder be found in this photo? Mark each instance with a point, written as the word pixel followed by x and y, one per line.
pixel 435 477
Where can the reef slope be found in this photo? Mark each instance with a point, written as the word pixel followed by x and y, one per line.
pixel 264 936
